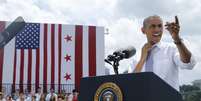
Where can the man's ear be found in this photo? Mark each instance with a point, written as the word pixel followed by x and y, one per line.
pixel 143 30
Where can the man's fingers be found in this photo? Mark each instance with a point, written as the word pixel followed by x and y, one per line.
pixel 148 45
pixel 171 24
pixel 176 20
pixel 169 29
pixel 172 29
pixel 167 24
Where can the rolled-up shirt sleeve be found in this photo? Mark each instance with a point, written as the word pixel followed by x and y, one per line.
pixel 183 65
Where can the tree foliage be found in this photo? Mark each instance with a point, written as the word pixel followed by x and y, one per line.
pixel 190 93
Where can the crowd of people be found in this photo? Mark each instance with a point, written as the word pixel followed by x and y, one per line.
pixel 40 96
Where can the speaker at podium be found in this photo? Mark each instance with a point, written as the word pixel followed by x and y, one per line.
pixel 144 86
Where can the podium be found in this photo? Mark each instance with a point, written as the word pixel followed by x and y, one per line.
pixel 133 87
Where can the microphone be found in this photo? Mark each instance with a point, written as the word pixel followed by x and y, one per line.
pixel 125 53
pixel 10 32
pixel 122 54
pixel 119 55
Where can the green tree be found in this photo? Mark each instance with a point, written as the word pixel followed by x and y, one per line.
pixel 190 93
pixel 187 88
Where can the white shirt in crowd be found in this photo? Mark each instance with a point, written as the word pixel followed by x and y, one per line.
pixel 70 97
pixel 3 99
pixel 38 95
pixel 49 96
pixel 28 98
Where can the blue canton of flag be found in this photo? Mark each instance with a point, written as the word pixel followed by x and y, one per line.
pixel 29 37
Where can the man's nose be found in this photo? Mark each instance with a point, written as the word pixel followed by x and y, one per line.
pixel 157 29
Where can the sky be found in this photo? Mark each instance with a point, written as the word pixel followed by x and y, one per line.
pixel 123 19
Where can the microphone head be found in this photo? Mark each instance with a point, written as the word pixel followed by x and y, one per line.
pixel 121 54
pixel 125 52
pixel 129 52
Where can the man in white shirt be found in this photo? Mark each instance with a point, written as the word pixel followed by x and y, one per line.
pixel 38 94
pixel 73 96
pixel 51 95
pixel 161 58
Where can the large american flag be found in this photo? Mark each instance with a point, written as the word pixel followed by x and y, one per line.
pixel 52 54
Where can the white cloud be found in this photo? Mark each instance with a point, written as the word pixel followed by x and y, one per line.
pixel 141 8
pixel 188 12
pixel 31 12
pixel 79 11
pixel 2 1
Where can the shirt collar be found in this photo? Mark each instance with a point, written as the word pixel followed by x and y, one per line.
pixel 157 45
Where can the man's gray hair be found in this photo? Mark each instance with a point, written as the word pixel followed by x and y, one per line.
pixel 148 18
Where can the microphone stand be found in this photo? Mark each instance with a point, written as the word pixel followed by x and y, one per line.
pixel 115 64
pixel 119 55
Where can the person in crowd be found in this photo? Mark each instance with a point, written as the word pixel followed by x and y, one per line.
pixel 21 97
pixel 74 95
pixel 38 93
pixel 68 96
pixel 9 98
pixel 51 95
pixel 42 97
pixel 28 95
pixel 16 94
pixel 2 97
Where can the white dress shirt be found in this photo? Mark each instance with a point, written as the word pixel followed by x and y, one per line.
pixel 48 97
pixel 38 95
pixel 166 63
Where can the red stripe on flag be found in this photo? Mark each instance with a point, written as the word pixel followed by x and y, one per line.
pixel 37 68
pixel 21 69
pixel 14 72
pixel 45 60
pixel 78 55
pixel 29 69
pixel 60 51
pixel 2 27
pixel 52 55
pixel 92 51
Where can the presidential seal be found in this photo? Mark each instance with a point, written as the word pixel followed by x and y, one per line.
pixel 108 92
